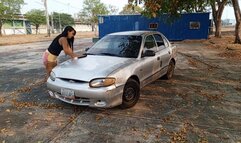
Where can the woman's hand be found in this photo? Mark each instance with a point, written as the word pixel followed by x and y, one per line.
pixel 74 57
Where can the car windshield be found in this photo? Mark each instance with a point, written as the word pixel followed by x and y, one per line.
pixel 117 45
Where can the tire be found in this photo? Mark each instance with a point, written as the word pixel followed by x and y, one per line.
pixel 131 94
pixel 170 70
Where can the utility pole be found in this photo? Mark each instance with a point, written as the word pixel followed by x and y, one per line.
pixel 47 17
pixel 52 23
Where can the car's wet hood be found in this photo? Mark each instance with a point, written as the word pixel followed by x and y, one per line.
pixel 90 67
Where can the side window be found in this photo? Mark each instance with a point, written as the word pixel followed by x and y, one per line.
pixel 159 41
pixel 150 44
pixel 167 44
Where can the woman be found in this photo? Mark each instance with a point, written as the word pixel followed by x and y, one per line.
pixel 64 41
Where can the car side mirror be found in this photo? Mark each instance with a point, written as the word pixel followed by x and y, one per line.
pixel 149 53
pixel 86 49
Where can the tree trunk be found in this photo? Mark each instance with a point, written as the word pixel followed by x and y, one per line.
pixel 237 13
pixel 1 28
pixel 37 26
pixel 93 27
pixel 218 26
pixel 217 12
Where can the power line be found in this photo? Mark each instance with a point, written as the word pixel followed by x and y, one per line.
pixel 68 4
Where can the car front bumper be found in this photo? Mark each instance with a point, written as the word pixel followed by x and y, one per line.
pixel 104 97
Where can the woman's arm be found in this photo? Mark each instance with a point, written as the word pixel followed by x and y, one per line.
pixel 67 49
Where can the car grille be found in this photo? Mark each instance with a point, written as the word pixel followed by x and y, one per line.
pixel 73 80
pixel 77 100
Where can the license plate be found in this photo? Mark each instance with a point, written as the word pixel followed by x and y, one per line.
pixel 67 93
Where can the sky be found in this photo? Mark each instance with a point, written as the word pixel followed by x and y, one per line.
pixel 74 6
pixel 66 6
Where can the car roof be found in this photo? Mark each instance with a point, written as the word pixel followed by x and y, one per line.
pixel 136 33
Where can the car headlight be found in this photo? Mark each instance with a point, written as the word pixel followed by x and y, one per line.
pixel 52 76
pixel 102 82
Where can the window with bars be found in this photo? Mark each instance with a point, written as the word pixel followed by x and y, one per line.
pixel 153 25
pixel 194 25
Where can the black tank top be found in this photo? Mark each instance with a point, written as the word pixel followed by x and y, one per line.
pixel 55 48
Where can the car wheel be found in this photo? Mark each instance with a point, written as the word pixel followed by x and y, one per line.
pixel 131 94
pixel 170 70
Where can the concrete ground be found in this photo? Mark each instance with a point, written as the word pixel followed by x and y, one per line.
pixel 202 103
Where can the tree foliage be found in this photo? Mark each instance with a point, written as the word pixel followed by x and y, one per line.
pixel 128 9
pixel 8 10
pixel 152 8
pixel 112 9
pixel 66 19
pixel 61 20
pixel 36 17
pixel 91 10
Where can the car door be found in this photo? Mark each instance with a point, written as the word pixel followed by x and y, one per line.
pixel 167 55
pixel 150 64
pixel 163 51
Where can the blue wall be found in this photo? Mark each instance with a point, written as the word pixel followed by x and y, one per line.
pixel 177 30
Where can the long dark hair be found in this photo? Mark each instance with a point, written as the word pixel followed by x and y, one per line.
pixel 68 29
pixel 65 34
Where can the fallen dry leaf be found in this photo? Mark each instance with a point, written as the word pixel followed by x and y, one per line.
pixel 7 132
pixel 98 117
pixel 2 100
pixel 133 129
pixel 202 140
pixel 20 104
pixel 27 88
pixel 24 89
pixel 181 135
pixel 3 130
pixel 145 136
pixel 51 106
pixel 192 63
pixel 167 119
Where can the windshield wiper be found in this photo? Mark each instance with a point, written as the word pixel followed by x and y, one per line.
pixel 109 54
pixel 89 54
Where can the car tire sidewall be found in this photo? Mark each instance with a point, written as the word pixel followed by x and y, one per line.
pixel 170 70
pixel 131 85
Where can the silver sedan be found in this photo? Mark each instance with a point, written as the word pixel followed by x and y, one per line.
pixel 113 70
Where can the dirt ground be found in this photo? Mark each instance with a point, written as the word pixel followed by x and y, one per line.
pixel 201 104
pixel 225 45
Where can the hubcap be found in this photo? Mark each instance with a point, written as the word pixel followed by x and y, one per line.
pixel 129 94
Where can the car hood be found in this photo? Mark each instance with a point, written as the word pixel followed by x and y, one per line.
pixel 90 67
